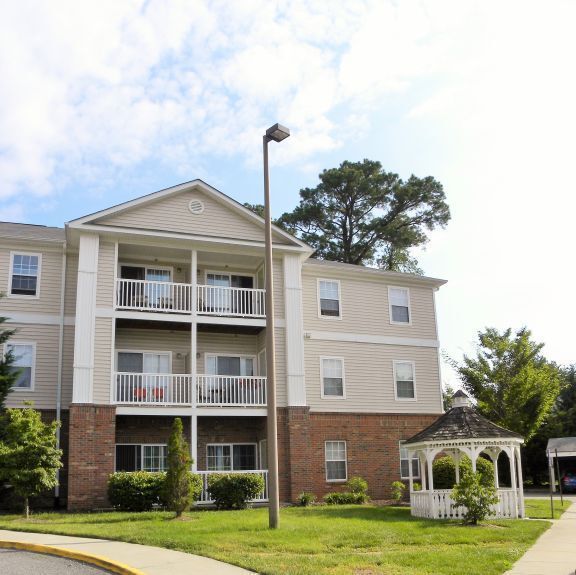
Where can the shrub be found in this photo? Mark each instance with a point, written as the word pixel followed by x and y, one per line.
pixel 416 486
pixel 177 490
pixel 398 489
pixel 345 498
pixel 306 498
pixel 357 484
pixel 474 496
pixel 135 490
pixel 234 490
pixel 444 471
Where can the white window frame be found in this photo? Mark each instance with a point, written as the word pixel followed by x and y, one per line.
pixel 231 445
pixel 329 317
pixel 405 323
pixel 13 342
pixel 254 359
pixel 38 276
pixel 322 395
pixel 400 447
pixel 345 460
pixel 146 267
pixel 144 351
pixel 230 274
pixel 141 446
pixel 395 362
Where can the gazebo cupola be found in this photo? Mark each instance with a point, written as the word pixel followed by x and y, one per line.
pixel 460 432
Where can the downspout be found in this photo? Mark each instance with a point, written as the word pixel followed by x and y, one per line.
pixel 60 363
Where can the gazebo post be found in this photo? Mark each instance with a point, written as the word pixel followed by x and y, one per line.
pixel 520 482
pixel 431 481
pixel 410 473
pixel 512 458
pixel 423 471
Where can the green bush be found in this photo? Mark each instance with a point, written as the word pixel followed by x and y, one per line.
pixel 234 490
pixel 474 496
pixel 416 486
pixel 141 490
pixel 345 498
pixel 135 490
pixel 444 471
pixel 398 489
pixel 305 499
pixel 357 484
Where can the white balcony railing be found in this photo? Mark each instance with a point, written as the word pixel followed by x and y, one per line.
pixel 168 297
pixel 143 295
pixel 152 389
pixel 205 496
pixel 231 301
pixel 176 389
pixel 232 390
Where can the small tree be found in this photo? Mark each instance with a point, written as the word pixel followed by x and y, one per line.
pixel 8 375
pixel 29 459
pixel 178 490
pixel 475 497
pixel 398 489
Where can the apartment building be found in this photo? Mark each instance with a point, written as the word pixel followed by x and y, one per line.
pixel 154 309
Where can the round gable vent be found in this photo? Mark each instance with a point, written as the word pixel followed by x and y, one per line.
pixel 196 207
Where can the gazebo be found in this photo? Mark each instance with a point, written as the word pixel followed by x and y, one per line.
pixel 459 432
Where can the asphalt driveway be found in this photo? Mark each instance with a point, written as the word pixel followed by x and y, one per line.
pixel 15 562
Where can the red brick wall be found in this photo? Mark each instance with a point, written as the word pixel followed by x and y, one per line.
pixel 371 444
pixel 91 456
pixel 147 428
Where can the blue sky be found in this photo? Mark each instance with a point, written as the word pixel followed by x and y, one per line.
pixel 104 101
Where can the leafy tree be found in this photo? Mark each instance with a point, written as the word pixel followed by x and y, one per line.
pixel 513 383
pixel 475 497
pixel 256 208
pixel 447 396
pixel 29 459
pixel 360 214
pixel 8 375
pixel 178 489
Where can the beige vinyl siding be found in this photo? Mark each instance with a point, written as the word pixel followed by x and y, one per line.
pixel 49 284
pixel 172 214
pixel 281 388
pixel 105 280
pixel 46 366
pixel 369 379
pixel 67 366
pixel 71 285
pixel 102 360
pixel 365 310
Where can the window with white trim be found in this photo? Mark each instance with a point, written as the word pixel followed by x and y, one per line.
pixel 329 296
pixel 405 464
pixel 24 274
pixel 134 457
pixel 231 457
pixel 335 456
pixel 23 364
pixel 399 305
pixel 404 376
pixel 332 376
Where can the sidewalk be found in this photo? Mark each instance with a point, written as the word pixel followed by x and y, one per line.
pixel 555 551
pixel 149 560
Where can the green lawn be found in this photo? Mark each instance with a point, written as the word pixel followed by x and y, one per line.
pixel 348 540
pixel 540 508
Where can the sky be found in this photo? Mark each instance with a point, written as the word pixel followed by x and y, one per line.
pixel 101 102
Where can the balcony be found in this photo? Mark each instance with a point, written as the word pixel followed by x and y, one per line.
pixel 177 390
pixel 205 495
pixel 170 297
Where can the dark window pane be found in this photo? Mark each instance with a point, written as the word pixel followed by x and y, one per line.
pixel 335 470
pixel 400 314
pixel 330 307
pixel 333 386
pixel 405 389
pixel 126 457
pixel 24 285
pixel 244 457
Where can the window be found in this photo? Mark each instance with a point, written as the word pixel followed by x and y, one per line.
pixel 141 457
pixel 24 359
pixel 336 461
pixel 329 296
pixel 234 365
pixel 405 464
pixel 404 377
pixel 24 274
pixel 231 457
pixel 399 299
pixel 332 377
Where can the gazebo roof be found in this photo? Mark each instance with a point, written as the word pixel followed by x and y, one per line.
pixel 462 422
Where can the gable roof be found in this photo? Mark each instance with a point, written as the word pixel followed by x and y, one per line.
pixel 97 217
pixel 32 232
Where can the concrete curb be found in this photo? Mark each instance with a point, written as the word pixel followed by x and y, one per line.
pixel 96 560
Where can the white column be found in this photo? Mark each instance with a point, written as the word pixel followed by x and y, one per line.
pixel 429 462
pixel 294 330
pixel 410 474
pixel 85 319
pixel 512 458
pixel 193 360
pixel 422 460
pixel 520 483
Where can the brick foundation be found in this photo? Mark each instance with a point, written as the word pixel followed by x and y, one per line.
pixel 372 443
pixel 91 456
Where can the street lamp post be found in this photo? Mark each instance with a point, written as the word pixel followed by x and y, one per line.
pixel 276 133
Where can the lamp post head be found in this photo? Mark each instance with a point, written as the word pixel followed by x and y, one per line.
pixel 277 133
